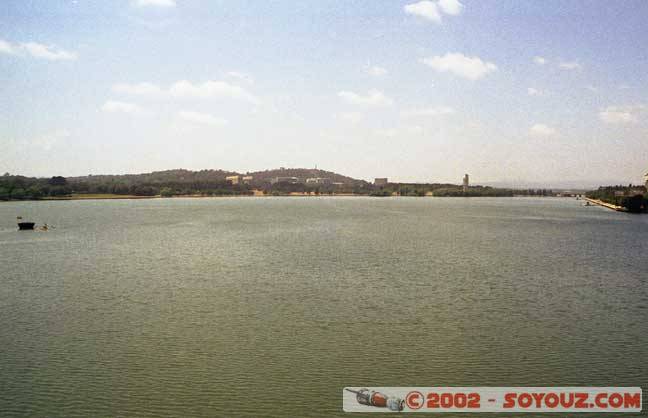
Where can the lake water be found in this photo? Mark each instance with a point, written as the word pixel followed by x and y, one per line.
pixel 270 306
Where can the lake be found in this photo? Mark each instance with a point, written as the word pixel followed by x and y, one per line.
pixel 270 306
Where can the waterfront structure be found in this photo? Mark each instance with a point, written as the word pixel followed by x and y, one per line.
pixel 233 179
pixel 318 180
pixel 381 181
pixel 466 183
pixel 247 179
pixel 646 178
pixel 285 180
pixel 628 192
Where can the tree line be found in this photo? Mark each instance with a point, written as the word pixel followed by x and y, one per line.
pixel 213 183
pixel 633 198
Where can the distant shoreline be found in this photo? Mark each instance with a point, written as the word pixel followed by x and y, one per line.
pixel 134 197
pixel 257 193
pixel 606 205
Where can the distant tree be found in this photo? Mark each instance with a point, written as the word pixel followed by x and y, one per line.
pixel 120 188
pixel 57 181
pixel 633 204
pixel 144 191
pixel 59 191
pixel 34 192
pixel 18 193
pixel 166 192
pixel 380 193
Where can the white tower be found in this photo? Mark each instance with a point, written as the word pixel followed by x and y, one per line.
pixel 466 183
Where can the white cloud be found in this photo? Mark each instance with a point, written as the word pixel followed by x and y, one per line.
pixel 621 114
pixel 540 129
pixel 472 68
pixel 155 3
pixel 373 98
pixel 539 60
pixel 201 118
pixel 186 89
pixel 112 106
pixel 36 50
pixel 451 7
pixel 572 65
pixel 425 9
pixel 48 52
pixel 377 71
pixel 431 10
pixel 351 117
pixel 531 91
pixel 241 76
pixel 211 89
pixel 141 89
pixel 6 47
pixel 429 111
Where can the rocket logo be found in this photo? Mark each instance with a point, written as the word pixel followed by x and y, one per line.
pixel 377 399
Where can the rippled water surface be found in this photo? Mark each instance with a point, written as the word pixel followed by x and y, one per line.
pixel 270 306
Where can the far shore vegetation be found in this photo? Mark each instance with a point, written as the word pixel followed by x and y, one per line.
pixel 633 199
pixel 280 182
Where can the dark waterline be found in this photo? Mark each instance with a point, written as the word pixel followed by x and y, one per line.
pixel 270 306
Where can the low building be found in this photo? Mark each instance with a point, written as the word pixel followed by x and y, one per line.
pixel 646 178
pixel 233 179
pixel 247 179
pixel 318 180
pixel 567 193
pixel 381 181
pixel 285 180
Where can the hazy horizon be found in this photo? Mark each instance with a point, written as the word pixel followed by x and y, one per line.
pixel 512 92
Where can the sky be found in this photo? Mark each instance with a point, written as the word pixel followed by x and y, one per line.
pixel 546 92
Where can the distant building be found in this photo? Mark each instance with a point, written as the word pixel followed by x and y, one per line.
pixel 381 181
pixel 247 179
pixel 284 180
pixel 629 192
pixel 646 178
pixel 233 179
pixel 466 183
pixel 567 193
pixel 318 180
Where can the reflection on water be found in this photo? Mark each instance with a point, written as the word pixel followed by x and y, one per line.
pixel 269 306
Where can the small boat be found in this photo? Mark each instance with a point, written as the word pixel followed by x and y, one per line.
pixel 25 226
pixel 588 204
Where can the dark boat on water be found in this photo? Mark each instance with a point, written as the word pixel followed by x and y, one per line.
pixel 25 226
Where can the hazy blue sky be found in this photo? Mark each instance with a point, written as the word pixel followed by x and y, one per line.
pixel 540 91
